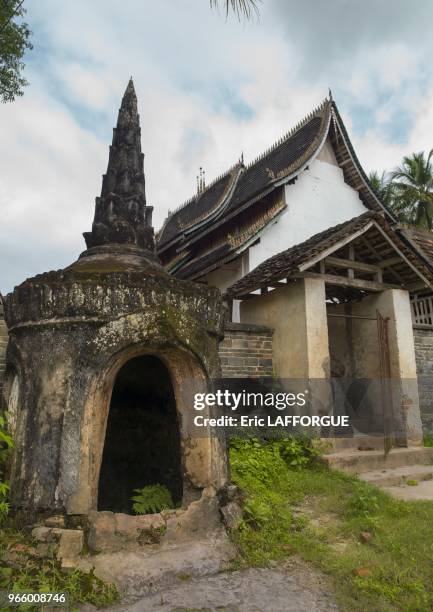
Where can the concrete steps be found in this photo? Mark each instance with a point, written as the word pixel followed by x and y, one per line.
pixel 395 477
pixel 422 491
pixel 357 462
pixel 413 465
pixel 363 443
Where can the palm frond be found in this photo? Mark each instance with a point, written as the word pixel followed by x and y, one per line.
pixel 413 189
pixel 240 8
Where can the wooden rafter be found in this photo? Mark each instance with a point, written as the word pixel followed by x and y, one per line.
pixel 344 281
pixel 375 253
pixel 338 262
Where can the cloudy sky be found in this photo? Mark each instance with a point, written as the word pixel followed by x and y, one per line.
pixel 208 89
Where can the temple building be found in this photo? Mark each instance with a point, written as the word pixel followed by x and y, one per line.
pixel 298 241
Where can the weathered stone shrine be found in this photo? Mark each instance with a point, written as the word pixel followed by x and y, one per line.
pixel 92 344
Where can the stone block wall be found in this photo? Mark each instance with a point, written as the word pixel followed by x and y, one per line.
pixel 3 343
pixel 424 363
pixel 246 351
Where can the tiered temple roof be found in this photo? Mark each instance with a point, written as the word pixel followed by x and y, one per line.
pixel 196 237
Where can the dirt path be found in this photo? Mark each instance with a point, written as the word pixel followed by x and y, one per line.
pixel 293 588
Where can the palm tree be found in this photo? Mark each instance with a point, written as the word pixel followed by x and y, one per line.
pixel 246 8
pixel 383 187
pixel 413 190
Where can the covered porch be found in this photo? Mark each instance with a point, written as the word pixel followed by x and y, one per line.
pixel 339 304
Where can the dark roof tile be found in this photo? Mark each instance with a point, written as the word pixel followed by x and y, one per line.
pixel 197 208
pixel 204 262
pixel 422 240
pixel 285 157
pixel 287 262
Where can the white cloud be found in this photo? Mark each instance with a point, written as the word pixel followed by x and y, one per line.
pixel 208 89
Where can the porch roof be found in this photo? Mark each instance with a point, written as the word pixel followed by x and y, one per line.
pixel 346 256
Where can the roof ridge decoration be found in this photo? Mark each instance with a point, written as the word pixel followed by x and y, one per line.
pixel 239 164
pixel 196 196
pixel 341 131
pixel 322 110
pixel 297 148
pixel 326 103
pixel 219 205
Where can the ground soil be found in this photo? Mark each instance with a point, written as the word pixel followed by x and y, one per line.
pixel 290 587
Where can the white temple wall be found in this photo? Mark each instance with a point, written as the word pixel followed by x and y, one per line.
pixel 318 200
pixel 227 275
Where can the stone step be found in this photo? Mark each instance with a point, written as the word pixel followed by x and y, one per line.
pixel 357 443
pixel 394 477
pixel 357 462
pixel 421 491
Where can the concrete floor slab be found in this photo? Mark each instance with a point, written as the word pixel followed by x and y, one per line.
pixel 397 476
pixel 251 590
pixel 422 491
pixel 357 462
pixel 142 572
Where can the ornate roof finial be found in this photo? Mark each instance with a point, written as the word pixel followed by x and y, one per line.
pixel 121 214
pixel 330 94
pixel 201 183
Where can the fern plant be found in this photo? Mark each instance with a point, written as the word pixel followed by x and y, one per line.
pixel 151 499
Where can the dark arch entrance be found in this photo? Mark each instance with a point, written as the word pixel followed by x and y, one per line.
pixel 142 440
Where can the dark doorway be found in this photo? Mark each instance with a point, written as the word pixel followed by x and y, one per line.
pixel 142 441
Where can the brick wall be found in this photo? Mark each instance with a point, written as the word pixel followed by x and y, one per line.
pixel 246 351
pixel 424 365
pixel 3 342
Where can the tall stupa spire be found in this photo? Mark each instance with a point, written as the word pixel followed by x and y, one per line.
pixel 121 214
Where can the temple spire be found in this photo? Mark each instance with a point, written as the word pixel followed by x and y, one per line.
pixel 128 112
pixel 121 214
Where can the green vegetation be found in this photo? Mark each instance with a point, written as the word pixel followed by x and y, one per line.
pixel 240 8
pixel 428 439
pixel 6 445
pixel 408 190
pixel 412 482
pixel 27 566
pixel 151 499
pixel 23 569
pixel 376 550
pixel 14 42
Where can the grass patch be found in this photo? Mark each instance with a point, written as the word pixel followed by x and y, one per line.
pixel 23 569
pixel 428 439
pixel 323 516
